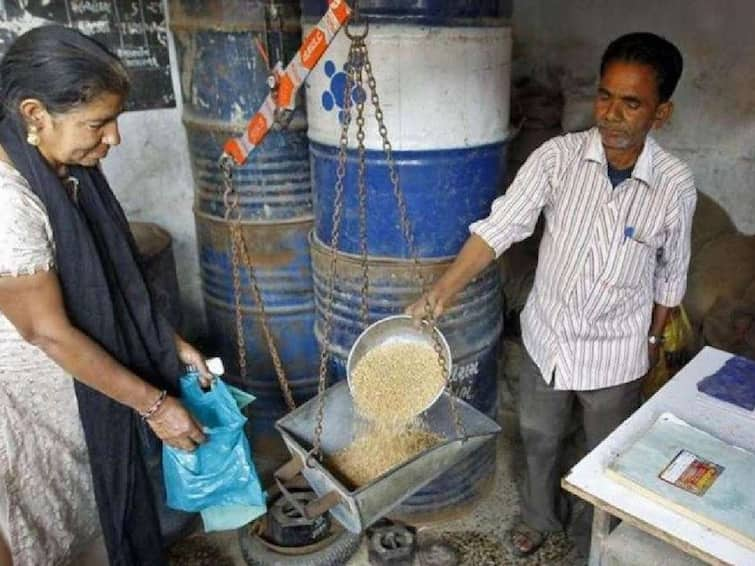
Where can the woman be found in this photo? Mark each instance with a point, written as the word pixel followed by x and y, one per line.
pixel 73 303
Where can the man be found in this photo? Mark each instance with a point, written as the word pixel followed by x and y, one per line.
pixel 613 260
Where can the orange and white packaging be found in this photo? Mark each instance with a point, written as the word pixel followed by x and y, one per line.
pixel 289 81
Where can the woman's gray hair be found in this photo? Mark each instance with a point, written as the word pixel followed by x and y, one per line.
pixel 61 67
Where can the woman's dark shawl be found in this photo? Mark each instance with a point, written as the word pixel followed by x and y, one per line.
pixel 107 298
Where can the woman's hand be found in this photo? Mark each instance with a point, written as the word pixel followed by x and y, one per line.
pixel 190 356
pixel 173 424
pixel 427 306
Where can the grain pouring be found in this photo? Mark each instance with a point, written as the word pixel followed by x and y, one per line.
pixel 392 384
pixel 396 381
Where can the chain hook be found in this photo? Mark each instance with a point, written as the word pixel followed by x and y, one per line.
pixel 357 20
pixel 230 196
pixel 225 163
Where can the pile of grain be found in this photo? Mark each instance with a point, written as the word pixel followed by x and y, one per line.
pixel 476 548
pixel 377 449
pixel 396 381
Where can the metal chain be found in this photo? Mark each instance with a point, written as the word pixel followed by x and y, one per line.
pixel 408 234
pixel 239 256
pixel 362 186
pixel 231 201
pixel 269 339
pixel 334 238
pixel 438 347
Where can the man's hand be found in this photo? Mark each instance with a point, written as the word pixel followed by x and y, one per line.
pixel 660 316
pixel 427 304
pixel 474 256
pixel 654 355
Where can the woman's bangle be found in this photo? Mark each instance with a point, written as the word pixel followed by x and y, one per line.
pixel 149 413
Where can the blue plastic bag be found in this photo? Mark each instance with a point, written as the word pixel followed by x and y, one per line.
pixel 218 478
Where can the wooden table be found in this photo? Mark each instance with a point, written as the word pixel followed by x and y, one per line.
pixel 680 397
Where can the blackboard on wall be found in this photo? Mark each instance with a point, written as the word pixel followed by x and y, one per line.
pixel 133 29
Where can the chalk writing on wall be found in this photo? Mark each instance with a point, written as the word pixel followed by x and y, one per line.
pixel 133 29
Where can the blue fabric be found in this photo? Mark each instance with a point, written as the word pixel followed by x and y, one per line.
pixel 219 478
pixel 733 383
pixel 618 176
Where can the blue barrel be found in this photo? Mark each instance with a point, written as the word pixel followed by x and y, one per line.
pixel 443 77
pixel 223 80
pixel 443 189
pixel 444 92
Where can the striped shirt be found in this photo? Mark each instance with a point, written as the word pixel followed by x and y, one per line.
pixel 606 255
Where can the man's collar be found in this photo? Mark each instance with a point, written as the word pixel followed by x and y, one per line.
pixel 643 167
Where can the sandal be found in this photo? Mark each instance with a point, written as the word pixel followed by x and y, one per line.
pixel 523 540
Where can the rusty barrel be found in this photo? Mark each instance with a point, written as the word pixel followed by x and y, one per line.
pixel 223 81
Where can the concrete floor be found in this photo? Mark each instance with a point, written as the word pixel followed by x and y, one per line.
pixel 487 523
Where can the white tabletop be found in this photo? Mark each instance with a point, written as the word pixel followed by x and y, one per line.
pixel 680 397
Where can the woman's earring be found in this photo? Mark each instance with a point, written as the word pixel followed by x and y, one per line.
pixel 32 137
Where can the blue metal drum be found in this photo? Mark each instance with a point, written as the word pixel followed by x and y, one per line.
pixel 444 92
pixel 443 188
pixel 223 82
pixel 281 254
pixel 443 73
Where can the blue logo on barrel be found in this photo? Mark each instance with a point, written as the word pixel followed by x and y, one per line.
pixel 333 96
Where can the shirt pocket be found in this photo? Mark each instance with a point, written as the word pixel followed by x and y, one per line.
pixel 629 265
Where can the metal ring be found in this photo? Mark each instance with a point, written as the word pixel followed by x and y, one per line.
pixel 310 456
pixel 225 162
pixel 354 36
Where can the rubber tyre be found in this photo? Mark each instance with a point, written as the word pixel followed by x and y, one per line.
pixel 257 553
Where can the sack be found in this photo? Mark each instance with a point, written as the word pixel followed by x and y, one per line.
pixel 219 473
pixel 676 351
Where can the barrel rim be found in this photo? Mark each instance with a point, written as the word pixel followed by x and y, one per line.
pixel 251 223
pixel 424 20
pixel 320 247
pixel 317 146
pixel 192 119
